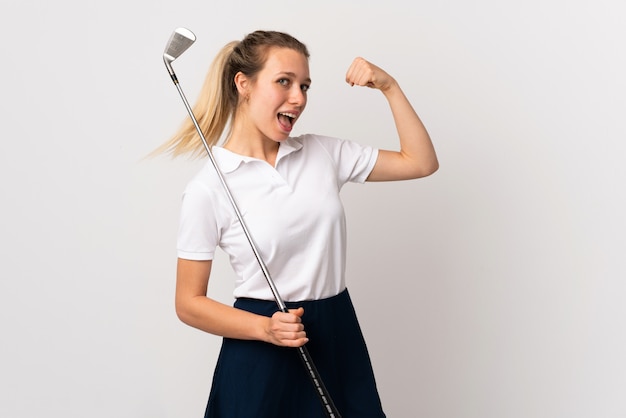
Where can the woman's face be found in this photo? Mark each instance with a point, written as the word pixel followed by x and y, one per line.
pixel 278 96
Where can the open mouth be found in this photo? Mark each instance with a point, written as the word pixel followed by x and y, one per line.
pixel 286 120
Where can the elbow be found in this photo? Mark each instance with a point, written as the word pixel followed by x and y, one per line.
pixel 183 312
pixel 420 165
pixel 181 315
pixel 432 168
pixel 426 169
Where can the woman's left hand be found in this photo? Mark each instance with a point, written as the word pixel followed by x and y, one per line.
pixel 364 73
pixel 416 157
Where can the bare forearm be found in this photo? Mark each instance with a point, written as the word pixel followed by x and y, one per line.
pixel 417 153
pixel 219 319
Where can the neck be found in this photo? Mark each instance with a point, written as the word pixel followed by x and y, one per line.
pixel 251 146
pixel 250 142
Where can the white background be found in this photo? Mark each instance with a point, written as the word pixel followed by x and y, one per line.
pixel 494 288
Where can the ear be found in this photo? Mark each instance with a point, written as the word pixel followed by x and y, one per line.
pixel 243 83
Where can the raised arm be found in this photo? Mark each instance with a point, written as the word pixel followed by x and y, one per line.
pixel 416 157
pixel 194 308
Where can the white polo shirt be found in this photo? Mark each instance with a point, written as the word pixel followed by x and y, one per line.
pixel 293 212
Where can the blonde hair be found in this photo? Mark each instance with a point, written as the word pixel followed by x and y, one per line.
pixel 218 100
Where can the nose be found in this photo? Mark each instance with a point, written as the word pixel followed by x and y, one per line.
pixel 297 96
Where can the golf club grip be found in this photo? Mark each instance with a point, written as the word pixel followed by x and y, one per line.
pixel 327 402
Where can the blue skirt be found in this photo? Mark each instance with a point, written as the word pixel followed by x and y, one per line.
pixel 254 379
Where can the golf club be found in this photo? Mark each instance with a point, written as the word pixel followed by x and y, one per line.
pixel 178 43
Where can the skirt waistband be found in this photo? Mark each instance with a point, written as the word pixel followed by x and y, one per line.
pixel 268 307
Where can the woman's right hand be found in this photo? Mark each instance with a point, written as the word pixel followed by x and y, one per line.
pixel 285 329
pixel 194 308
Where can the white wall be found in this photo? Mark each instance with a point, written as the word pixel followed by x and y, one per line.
pixel 492 289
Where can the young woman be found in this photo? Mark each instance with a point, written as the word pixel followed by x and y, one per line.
pixel 287 189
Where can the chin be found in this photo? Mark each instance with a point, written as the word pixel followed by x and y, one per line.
pixel 281 137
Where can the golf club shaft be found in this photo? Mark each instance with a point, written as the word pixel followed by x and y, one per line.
pixel 327 402
pixel 257 255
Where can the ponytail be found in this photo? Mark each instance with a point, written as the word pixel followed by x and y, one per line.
pixel 213 111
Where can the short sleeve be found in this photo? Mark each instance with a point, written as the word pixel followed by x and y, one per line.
pixel 197 232
pixel 354 162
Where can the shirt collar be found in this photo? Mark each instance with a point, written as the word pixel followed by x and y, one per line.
pixel 229 161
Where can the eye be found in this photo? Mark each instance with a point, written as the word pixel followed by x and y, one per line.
pixel 284 82
pixel 305 87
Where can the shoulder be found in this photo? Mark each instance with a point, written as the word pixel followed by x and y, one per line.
pixel 333 146
pixel 311 141
pixel 304 138
pixel 203 183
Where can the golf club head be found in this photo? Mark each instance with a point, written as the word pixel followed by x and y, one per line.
pixel 178 43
